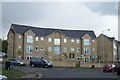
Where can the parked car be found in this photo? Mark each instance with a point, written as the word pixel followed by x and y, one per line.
pixel 40 63
pixel 117 68
pixel 16 62
pixel 2 77
pixel 1 60
pixel 109 67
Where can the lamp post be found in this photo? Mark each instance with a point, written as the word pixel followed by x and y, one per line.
pixel 103 44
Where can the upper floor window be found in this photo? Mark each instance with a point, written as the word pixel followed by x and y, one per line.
pixel 65 40
pixel 56 41
pixel 77 41
pixel 49 49
pixel 29 49
pixel 19 36
pixel 50 39
pixel 78 49
pixel 93 49
pixel 19 46
pixel 29 39
pixel 36 38
pixel 41 48
pixel 42 38
pixel 72 40
pixel 65 49
pixel 86 42
pixel 93 41
pixel 72 49
pixel 36 48
pixel 86 50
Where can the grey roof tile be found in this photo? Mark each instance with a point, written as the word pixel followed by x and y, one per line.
pixel 46 31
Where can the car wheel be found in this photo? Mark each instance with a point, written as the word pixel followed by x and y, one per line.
pixel 32 65
pixel 118 72
pixel 19 64
pixel 103 70
pixel 46 66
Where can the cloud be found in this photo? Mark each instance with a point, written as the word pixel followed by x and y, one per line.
pixel 58 15
pixel 105 8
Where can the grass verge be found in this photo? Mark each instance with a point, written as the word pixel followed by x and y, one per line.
pixel 13 73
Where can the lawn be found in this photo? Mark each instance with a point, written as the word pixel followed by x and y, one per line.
pixel 13 73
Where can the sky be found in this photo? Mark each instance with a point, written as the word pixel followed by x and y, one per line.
pixel 73 15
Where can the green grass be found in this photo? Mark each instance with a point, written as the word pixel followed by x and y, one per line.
pixel 13 73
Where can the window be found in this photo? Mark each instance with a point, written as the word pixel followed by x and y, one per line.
pixel 78 49
pixel 49 49
pixel 19 36
pixel 65 49
pixel 93 41
pixel 29 49
pixel 72 49
pixel 78 58
pixel 93 49
pixel 19 46
pixel 42 38
pixel 36 38
pixel 29 39
pixel 28 57
pixel 86 50
pixel 65 40
pixel 77 41
pixel 36 48
pixel 86 42
pixel 72 40
pixel 56 41
pixel 41 48
pixel 71 55
pixel 50 40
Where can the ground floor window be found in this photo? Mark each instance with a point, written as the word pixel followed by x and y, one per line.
pixel 28 57
pixel 71 55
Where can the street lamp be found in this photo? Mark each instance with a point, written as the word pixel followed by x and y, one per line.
pixel 103 44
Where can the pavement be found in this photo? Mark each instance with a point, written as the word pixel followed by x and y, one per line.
pixel 32 75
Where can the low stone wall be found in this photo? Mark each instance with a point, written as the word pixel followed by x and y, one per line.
pixel 98 65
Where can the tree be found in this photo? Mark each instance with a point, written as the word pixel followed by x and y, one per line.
pixel 0 45
pixel 4 46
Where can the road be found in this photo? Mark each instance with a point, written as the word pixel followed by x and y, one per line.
pixel 69 72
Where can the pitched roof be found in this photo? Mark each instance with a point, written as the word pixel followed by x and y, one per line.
pixel 21 29
pixel 110 38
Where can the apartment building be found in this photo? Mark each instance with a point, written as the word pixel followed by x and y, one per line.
pixel 26 41
pixel 107 48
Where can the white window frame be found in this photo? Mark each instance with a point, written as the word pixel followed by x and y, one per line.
pixel 20 36
pixel 86 50
pixel 77 41
pixel 93 40
pixel 19 47
pixel 65 40
pixel 72 40
pixel 29 49
pixel 93 49
pixel 86 42
pixel 72 49
pixel 41 47
pixel 36 38
pixel 42 38
pixel 50 39
pixel 56 41
pixel 65 49
pixel 29 39
pixel 36 47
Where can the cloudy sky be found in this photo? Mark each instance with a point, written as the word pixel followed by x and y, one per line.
pixel 95 16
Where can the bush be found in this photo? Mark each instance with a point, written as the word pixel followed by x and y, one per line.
pixel 78 65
